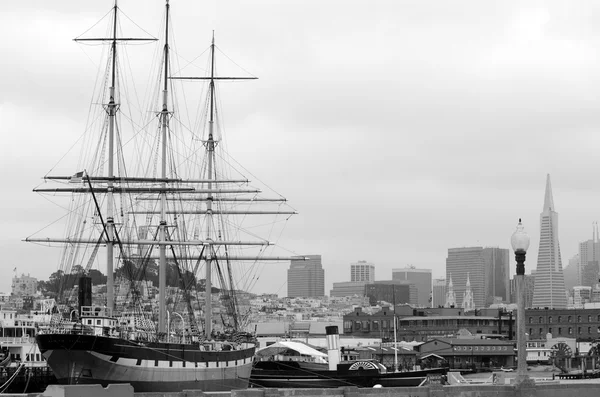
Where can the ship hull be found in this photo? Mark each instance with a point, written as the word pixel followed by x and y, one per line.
pixel 148 367
pixel 282 376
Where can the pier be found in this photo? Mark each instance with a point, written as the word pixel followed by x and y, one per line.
pixel 532 388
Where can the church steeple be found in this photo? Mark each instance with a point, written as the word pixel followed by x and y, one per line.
pixel 548 200
pixel 450 296
pixel 468 304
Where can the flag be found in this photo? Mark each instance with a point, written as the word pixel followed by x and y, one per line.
pixel 77 178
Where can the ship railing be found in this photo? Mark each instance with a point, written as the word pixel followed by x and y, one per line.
pixel 16 340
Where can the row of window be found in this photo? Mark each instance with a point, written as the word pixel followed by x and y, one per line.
pixel 482 348
pixel 560 319
pixel 580 330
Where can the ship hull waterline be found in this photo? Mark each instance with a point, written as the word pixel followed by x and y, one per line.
pixel 150 367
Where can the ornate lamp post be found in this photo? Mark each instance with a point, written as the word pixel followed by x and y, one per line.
pixel 520 244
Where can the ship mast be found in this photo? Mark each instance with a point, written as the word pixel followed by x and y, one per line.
pixel 110 221
pixel 210 147
pixel 164 116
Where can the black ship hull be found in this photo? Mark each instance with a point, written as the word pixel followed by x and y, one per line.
pixel 148 367
pixel 292 375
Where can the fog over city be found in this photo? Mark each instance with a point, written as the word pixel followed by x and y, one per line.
pixel 397 129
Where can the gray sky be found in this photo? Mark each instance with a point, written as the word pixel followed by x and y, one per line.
pixel 398 129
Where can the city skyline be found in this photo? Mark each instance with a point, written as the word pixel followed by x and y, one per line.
pixel 464 121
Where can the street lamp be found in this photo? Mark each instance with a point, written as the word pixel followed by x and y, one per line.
pixel 520 244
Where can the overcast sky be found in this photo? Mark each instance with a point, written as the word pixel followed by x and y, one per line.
pixel 398 129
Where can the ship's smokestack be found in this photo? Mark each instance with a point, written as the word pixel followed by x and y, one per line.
pixel 85 292
pixel 333 346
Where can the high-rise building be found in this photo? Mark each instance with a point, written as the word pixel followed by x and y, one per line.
pixel 549 288
pixel 421 278
pixel 496 274
pixel 463 262
pixel 362 271
pixel 438 294
pixel 572 273
pixel 589 259
pixel 306 277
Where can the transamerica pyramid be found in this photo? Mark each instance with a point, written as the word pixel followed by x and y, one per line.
pixel 549 287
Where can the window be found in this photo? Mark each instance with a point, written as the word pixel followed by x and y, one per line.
pixel 530 331
pixel 540 320
pixel 560 330
pixel 569 319
pixel 375 325
pixel 550 319
pixel 578 319
pixel 589 330
pixel 579 330
pixel 559 319
pixel 530 320
pixel 589 319
pixel 541 331
pixel 570 331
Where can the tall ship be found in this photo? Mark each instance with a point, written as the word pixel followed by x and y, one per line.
pixel 156 201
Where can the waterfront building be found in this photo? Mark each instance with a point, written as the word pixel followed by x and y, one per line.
pixel 425 324
pixel 24 285
pixel 470 353
pixel 306 277
pixel 549 287
pixel 438 293
pixel 422 280
pixel 362 271
pixel 348 288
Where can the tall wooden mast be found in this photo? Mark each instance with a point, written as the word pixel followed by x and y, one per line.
pixel 164 116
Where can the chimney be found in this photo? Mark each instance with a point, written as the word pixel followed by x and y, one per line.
pixel 333 346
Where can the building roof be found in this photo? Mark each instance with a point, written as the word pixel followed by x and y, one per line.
pixel 447 318
pixel 387 350
pixel 474 341
pixel 286 346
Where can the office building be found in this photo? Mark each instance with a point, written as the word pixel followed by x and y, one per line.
pixel 463 262
pixel 393 293
pixel 421 278
pixel 549 287
pixel 306 277
pixel 362 271
pixel 438 294
pixel 572 273
pixel 348 288
pixel 497 276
